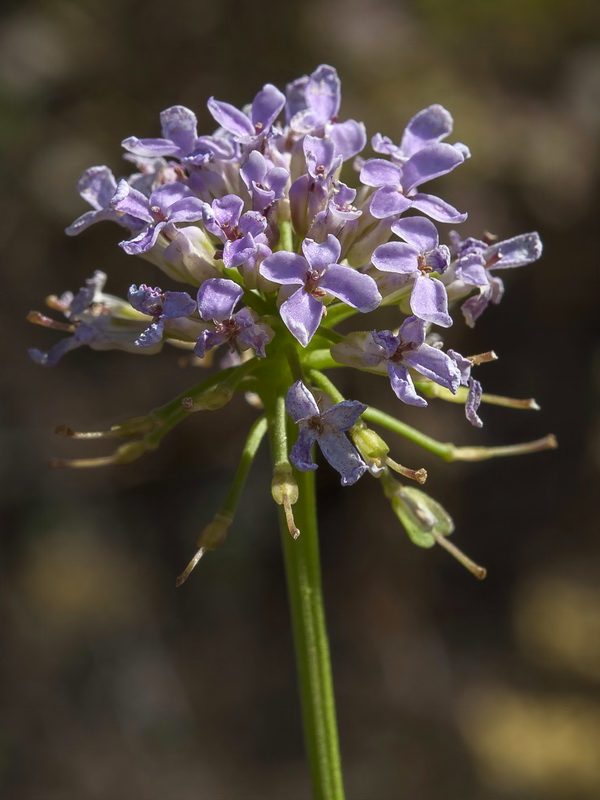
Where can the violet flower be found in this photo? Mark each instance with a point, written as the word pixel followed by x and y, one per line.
pixel 265 182
pixel 420 257
pixel 396 185
pixel 238 232
pixel 429 126
pixel 251 128
pixel 217 298
pixel 97 186
pixel 475 260
pixel 317 273
pixel 328 429
pixel 160 306
pixel 313 103
pixel 170 203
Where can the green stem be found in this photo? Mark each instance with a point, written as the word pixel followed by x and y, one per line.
pixel 303 573
pixel 449 451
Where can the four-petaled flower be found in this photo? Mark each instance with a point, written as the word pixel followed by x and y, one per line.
pixel 328 429
pixel 395 186
pixel 217 298
pixel 160 306
pixel 238 232
pixel 419 258
pixel 250 128
pixel 168 204
pixel 318 274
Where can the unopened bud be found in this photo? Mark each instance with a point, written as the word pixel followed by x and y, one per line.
pixel 211 400
pixel 370 444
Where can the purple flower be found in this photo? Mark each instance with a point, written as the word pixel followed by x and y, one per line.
pixel 238 232
pixel 99 320
pixel 317 273
pixel 429 126
pixel 97 186
pixel 265 182
pixel 421 256
pixel 253 127
pixel 475 259
pixel 160 306
pixel 328 429
pixel 168 204
pixel 399 353
pixel 217 298
pixel 396 185
pixel 180 136
pixel 313 103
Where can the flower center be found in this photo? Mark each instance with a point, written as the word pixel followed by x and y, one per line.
pixel 311 284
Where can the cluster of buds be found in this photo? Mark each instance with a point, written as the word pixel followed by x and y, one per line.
pixel 276 250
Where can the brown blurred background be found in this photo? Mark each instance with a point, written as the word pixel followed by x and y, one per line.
pixel 114 684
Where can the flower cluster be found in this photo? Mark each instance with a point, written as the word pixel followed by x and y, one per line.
pixel 256 217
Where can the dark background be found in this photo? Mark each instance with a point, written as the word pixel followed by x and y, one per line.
pixel 114 684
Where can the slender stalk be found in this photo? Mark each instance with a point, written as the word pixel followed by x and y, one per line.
pixel 303 576
pixel 303 573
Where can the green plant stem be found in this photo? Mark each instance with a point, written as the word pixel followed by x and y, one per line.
pixel 303 573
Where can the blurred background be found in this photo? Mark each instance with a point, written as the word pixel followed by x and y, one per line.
pixel 114 684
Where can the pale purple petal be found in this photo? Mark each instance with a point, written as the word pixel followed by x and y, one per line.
pixel 350 137
pixel 396 257
pixel 302 313
pixel 239 251
pixel 388 202
pixel 429 301
pixel 320 153
pixel 97 186
pixel 296 97
pixel 344 415
pixel 300 402
pixel 252 222
pixel 127 200
pixel 207 341
pixel 255 169
pixel 300 454
pixel 257 336
pixel 473 402
pixel 285 268
pixel 431 162
pixel 142 242
pixel 168 194
pixel 463 364
pixel 217 297
pixel 342 455
pixel 379 172
pixel 91 217
pixel 403 386
pixel 180 125
pixel 474 307
pixel 189 209
pixel 471 270
pixel 323 93
pixel 418 231
pixel 354 288
pixel 150 148
pixel 227 210
pixel 230 118
pixel 320 255
pixel 412 330
pixel 436 208
pixel 152 335
pixel 515 252
pixel 266 107
pixel 177 304
pixel 435 364
pixel 387 341
pixel 430 125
